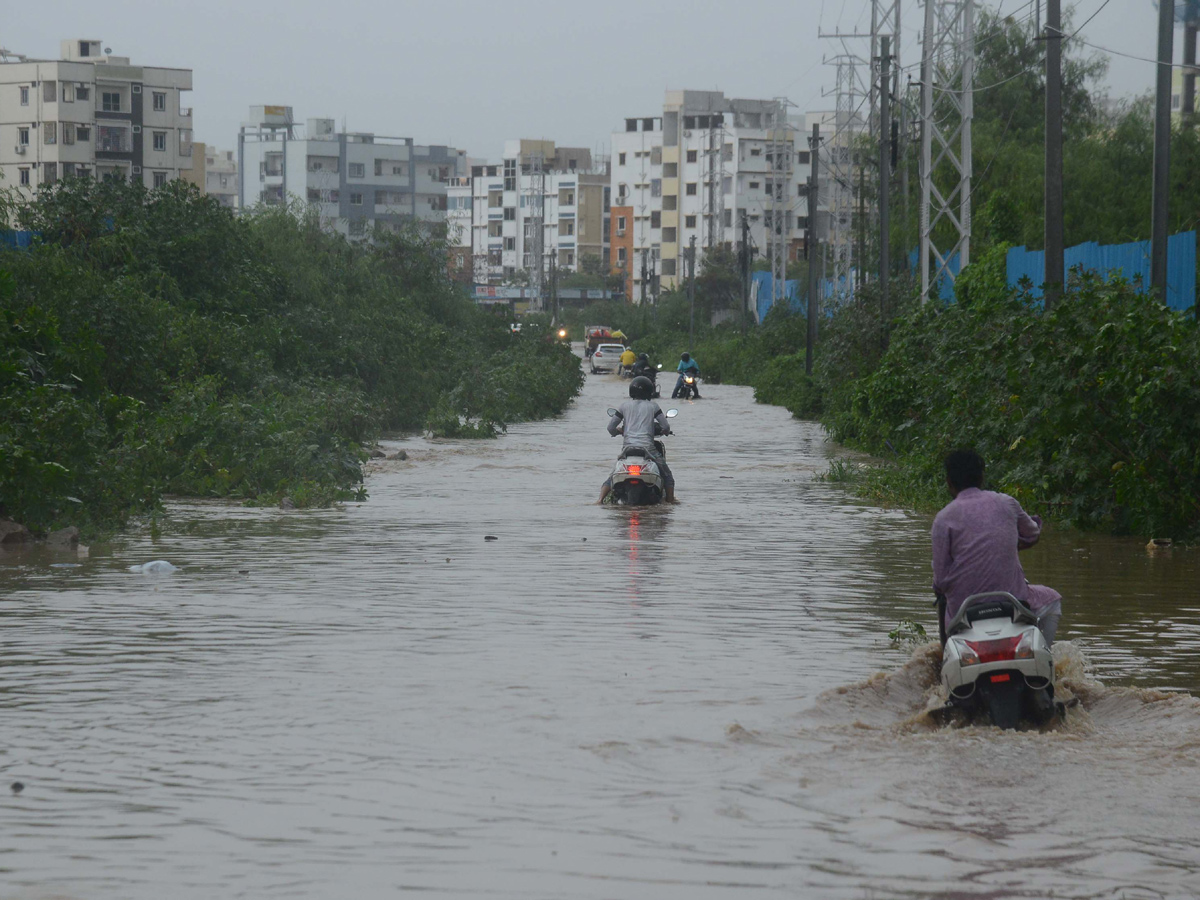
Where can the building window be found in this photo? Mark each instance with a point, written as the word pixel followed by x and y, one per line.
pixel 691 189
pixel 356 199
pixel 24 177
pixel 566 198
pixel 621 256
pixel 160 101
pixel 510 214
pixel 691 156
pixel 49 173
pixel 689 221
pixel 567 228
pixel 670 170
pixel 49 91
pixel 668 235
pixel 160 178
pixel 160 141
pixel 49 132
pixel 510 243
pixel 670 202
pixel 668 267
pixel 24 96
pixel 357 170
pixel 68 133
pixel 620 226
pixel 756 151
pixel 314 195
pixel 656 219
pixel 358 227
pixel 754 185
pixel 83 92
pixel 68 92
pixel 83 133
pixel 620 156
pixel 399 170
pixel 110 101
pixel 23 137
pixel 655 187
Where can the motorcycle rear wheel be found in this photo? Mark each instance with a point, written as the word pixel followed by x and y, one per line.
pixel 1003 705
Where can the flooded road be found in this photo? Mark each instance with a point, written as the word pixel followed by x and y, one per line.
pixel 673 703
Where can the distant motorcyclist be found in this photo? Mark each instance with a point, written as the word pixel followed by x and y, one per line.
pixel 975 542
pixel 687 366
pixel 643 367
pixel 628 358
pixel 640 420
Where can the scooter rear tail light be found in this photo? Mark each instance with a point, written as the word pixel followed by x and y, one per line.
pixel 634 470
pixel 995 651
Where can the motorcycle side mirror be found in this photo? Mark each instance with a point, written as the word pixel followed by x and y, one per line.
pixel 611 412
pixel 672 413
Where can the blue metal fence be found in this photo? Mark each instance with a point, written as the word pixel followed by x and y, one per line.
pixel 1131 261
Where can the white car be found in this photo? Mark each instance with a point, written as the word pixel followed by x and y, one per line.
pixel 607 358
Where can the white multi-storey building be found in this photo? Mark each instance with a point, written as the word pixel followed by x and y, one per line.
pixel 356 181
pixel 220 177
pixel 91 114
pixel 493 213
pixel 693 172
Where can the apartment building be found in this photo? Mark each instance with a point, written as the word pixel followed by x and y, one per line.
pixel 220 176
pixel 694 170
pixel 493 214
pixel 92 114
pixel 356 181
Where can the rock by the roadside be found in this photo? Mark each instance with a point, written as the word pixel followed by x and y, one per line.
pixel 399 454
pixel 378 454
pixel 65 537
pixel 12 533
pixel 287 503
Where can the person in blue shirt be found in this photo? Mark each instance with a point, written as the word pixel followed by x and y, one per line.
pixel 686 366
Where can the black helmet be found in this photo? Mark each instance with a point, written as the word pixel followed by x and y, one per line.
pixel 685 357
pixel 645 357
pixel 641 388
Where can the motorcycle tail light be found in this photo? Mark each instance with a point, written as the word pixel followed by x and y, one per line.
pixel 1025 646
pixel 634 470
pixel 966 653
pixel 995 651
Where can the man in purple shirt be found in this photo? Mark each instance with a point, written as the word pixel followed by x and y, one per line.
pixel 975 542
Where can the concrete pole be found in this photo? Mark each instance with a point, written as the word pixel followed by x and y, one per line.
pixel 691 260
pixel 1162 149
pixel 885 177
pixel 811 243
pixel 1189 72
pixel 1053 234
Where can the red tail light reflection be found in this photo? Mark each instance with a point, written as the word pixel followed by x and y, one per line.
pixel 994 651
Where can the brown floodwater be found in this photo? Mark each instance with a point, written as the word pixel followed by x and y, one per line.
pixel 692 702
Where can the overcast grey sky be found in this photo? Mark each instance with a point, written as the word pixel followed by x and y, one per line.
pixel 472 73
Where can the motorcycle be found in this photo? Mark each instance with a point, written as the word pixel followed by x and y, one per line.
pixel 636 478
pixel 690 388
pixel 996 660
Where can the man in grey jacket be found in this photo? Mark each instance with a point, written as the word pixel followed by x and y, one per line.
pixel 639 419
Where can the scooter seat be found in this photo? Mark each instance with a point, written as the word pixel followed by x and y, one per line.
pixel 634 451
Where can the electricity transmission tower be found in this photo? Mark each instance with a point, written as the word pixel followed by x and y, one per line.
pixel 535 218
pixel 947 83
pixel 714 196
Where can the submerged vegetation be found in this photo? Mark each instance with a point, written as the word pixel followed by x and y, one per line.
pixel 154 344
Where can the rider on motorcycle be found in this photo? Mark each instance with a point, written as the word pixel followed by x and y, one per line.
pixel 627 360
pixel 640 420
pixel 687 366
pixel 643 367
pixel 975 542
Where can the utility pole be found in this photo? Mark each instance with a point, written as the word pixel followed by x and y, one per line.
pixel 554 284
pixel 861 272
pixel 885 179
pixel 1162 149
pixel 645 272
pixel 691 261
pixel 811 247
pixel 1055 265
pixel 745 267
pixel 1189 71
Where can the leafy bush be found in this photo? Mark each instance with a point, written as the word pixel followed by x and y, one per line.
pixel 151 342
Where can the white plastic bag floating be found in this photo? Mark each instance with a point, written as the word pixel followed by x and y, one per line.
pixel 156 567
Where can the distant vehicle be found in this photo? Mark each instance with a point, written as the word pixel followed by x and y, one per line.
pixel 564 335
pixel 594 336
pixel 607 357
pixel 515 327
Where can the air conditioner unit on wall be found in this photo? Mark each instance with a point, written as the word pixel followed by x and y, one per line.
pixel 137 170
pixel 19 149
pixel 687 134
